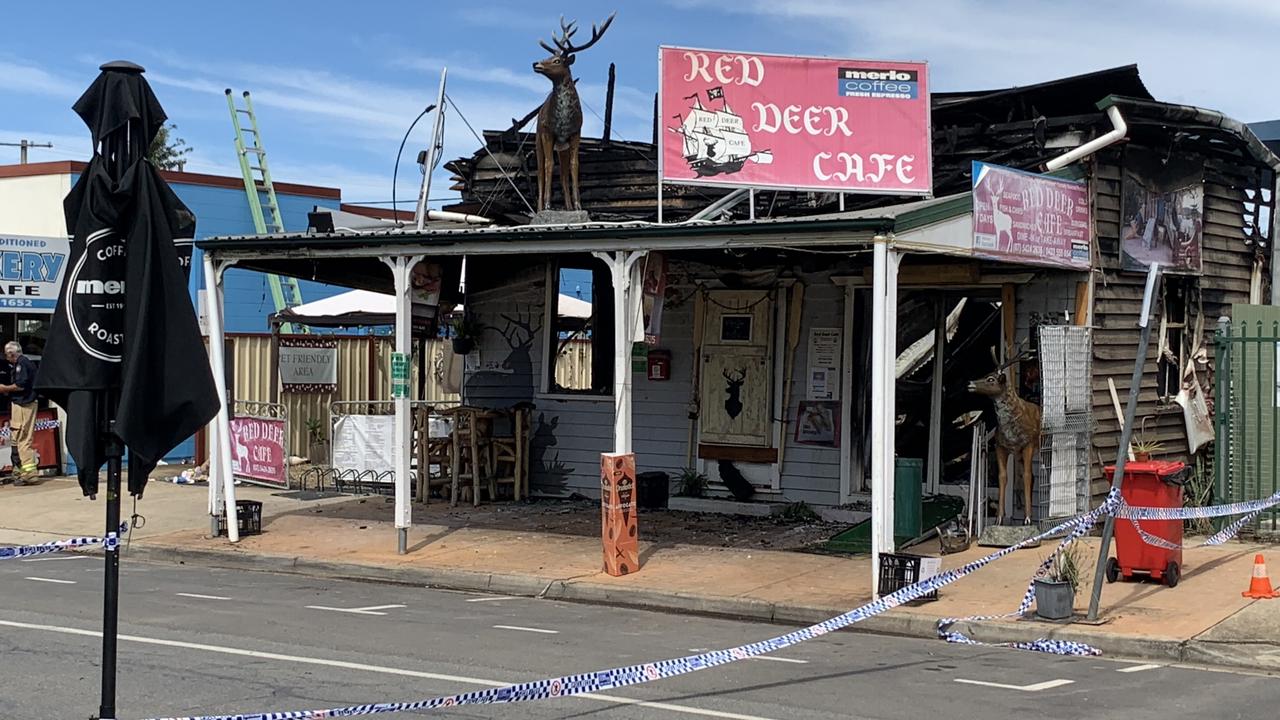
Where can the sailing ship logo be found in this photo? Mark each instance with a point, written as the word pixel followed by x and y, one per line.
pixel 715 141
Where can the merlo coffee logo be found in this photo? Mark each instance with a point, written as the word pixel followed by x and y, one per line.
pixel 95 308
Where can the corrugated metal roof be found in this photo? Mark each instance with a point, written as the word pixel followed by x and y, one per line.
pixel 881 219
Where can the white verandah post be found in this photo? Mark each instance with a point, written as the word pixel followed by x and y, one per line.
pixel 221 479
pixel 884 355
pixel 401 455
pixel 625 275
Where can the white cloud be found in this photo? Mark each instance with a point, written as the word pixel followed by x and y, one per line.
pixel 492 75
pixel 30 79
pixel 1218 56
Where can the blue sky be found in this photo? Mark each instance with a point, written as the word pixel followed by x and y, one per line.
pixel 337 83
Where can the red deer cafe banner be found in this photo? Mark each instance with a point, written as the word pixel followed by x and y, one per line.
pixel 787 122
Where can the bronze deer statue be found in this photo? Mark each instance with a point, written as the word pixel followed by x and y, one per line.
pixel 1017 427
pixel 560 117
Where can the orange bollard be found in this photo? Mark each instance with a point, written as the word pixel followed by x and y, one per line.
pixel 1260 585
pixel 619 528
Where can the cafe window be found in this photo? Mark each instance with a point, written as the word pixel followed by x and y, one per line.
pixel 32 334
pixel 580 329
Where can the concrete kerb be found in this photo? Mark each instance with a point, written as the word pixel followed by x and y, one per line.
pixel 904 624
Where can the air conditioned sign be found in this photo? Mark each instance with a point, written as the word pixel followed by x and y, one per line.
pixel 31 272
pixel 789 122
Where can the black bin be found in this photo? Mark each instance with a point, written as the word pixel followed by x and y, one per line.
pixel 248 518
pixel 652 491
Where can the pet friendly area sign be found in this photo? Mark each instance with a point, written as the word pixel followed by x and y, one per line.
pixel 791 122
pixel 308 365
pixel 31 272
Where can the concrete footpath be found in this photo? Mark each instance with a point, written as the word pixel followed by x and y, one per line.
pixel 1203 620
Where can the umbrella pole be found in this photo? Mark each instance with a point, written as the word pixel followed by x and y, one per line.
pixel 111 581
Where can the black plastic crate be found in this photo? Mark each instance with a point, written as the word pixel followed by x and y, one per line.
pixel 900 570
pixel 248 518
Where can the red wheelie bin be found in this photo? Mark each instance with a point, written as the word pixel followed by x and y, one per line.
pixel 1155 483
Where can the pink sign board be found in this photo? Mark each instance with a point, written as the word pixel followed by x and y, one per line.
pixel 1028 218
pixel 257 450
pixel 786 122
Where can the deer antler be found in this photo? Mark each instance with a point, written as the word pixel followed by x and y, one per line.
pixel 564 45
pixel 741 373
pixel 1022 352
pixel 512 332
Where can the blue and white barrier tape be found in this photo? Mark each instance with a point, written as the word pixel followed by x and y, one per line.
pixel 1079 527
pixel 111 542
pixel 1251 508
pixel 40 425
pixel 1115 503
pixel 636 674
pixel 571 685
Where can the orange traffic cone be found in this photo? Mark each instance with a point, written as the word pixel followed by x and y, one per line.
pixel 1260 585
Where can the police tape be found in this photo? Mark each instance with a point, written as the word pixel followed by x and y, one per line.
pixel 1250 510
pixel 110 543
pixel 1115 504
pixel 571 685
pixel 40 425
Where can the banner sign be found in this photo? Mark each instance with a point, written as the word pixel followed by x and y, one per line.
pixel 257 450
pixel 788 122
pixel 1028 218
pixel 364 443
pixel 31 272
pixel 308 364
pixel 654 293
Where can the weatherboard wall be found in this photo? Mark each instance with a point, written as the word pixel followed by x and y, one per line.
pixel 570 433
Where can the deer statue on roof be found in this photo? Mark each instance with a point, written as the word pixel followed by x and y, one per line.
pixel 560 118
pixel 1017 427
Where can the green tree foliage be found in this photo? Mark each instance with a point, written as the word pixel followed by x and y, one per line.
pixel 168 151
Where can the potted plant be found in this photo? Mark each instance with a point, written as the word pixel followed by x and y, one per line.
pixel 1143 449
pixel 465 333
pixel 318 452
pixel 692 483
pixel 1056 590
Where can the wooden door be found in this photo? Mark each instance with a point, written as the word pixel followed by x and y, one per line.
pixel 736 394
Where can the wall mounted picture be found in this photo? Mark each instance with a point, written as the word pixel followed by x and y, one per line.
pixel 1162 212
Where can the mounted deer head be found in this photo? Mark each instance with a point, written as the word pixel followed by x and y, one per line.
pixel 560 118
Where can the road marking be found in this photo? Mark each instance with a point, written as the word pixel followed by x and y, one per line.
pixel 198 596
pixel 491 599
pixel 403 672
pixel 766 658
pixel 1139 668
pixel 53 580
pixel 1036 687
pixel 371 610
pixel 65 557
pixel 526 629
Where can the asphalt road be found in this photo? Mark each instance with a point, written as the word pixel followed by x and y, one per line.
pixel 198 640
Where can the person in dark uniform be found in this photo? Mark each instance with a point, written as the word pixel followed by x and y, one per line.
pixel 21 390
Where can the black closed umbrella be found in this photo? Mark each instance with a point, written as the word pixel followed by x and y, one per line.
pixel 124 356
pixel 124 331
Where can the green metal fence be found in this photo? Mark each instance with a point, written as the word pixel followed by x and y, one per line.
pixel 1247 410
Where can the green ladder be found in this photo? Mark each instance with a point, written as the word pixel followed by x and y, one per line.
pixel 285 292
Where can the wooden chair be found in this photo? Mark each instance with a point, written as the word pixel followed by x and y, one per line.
pixel 466 462
pixel 430 452
pixel 508 456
